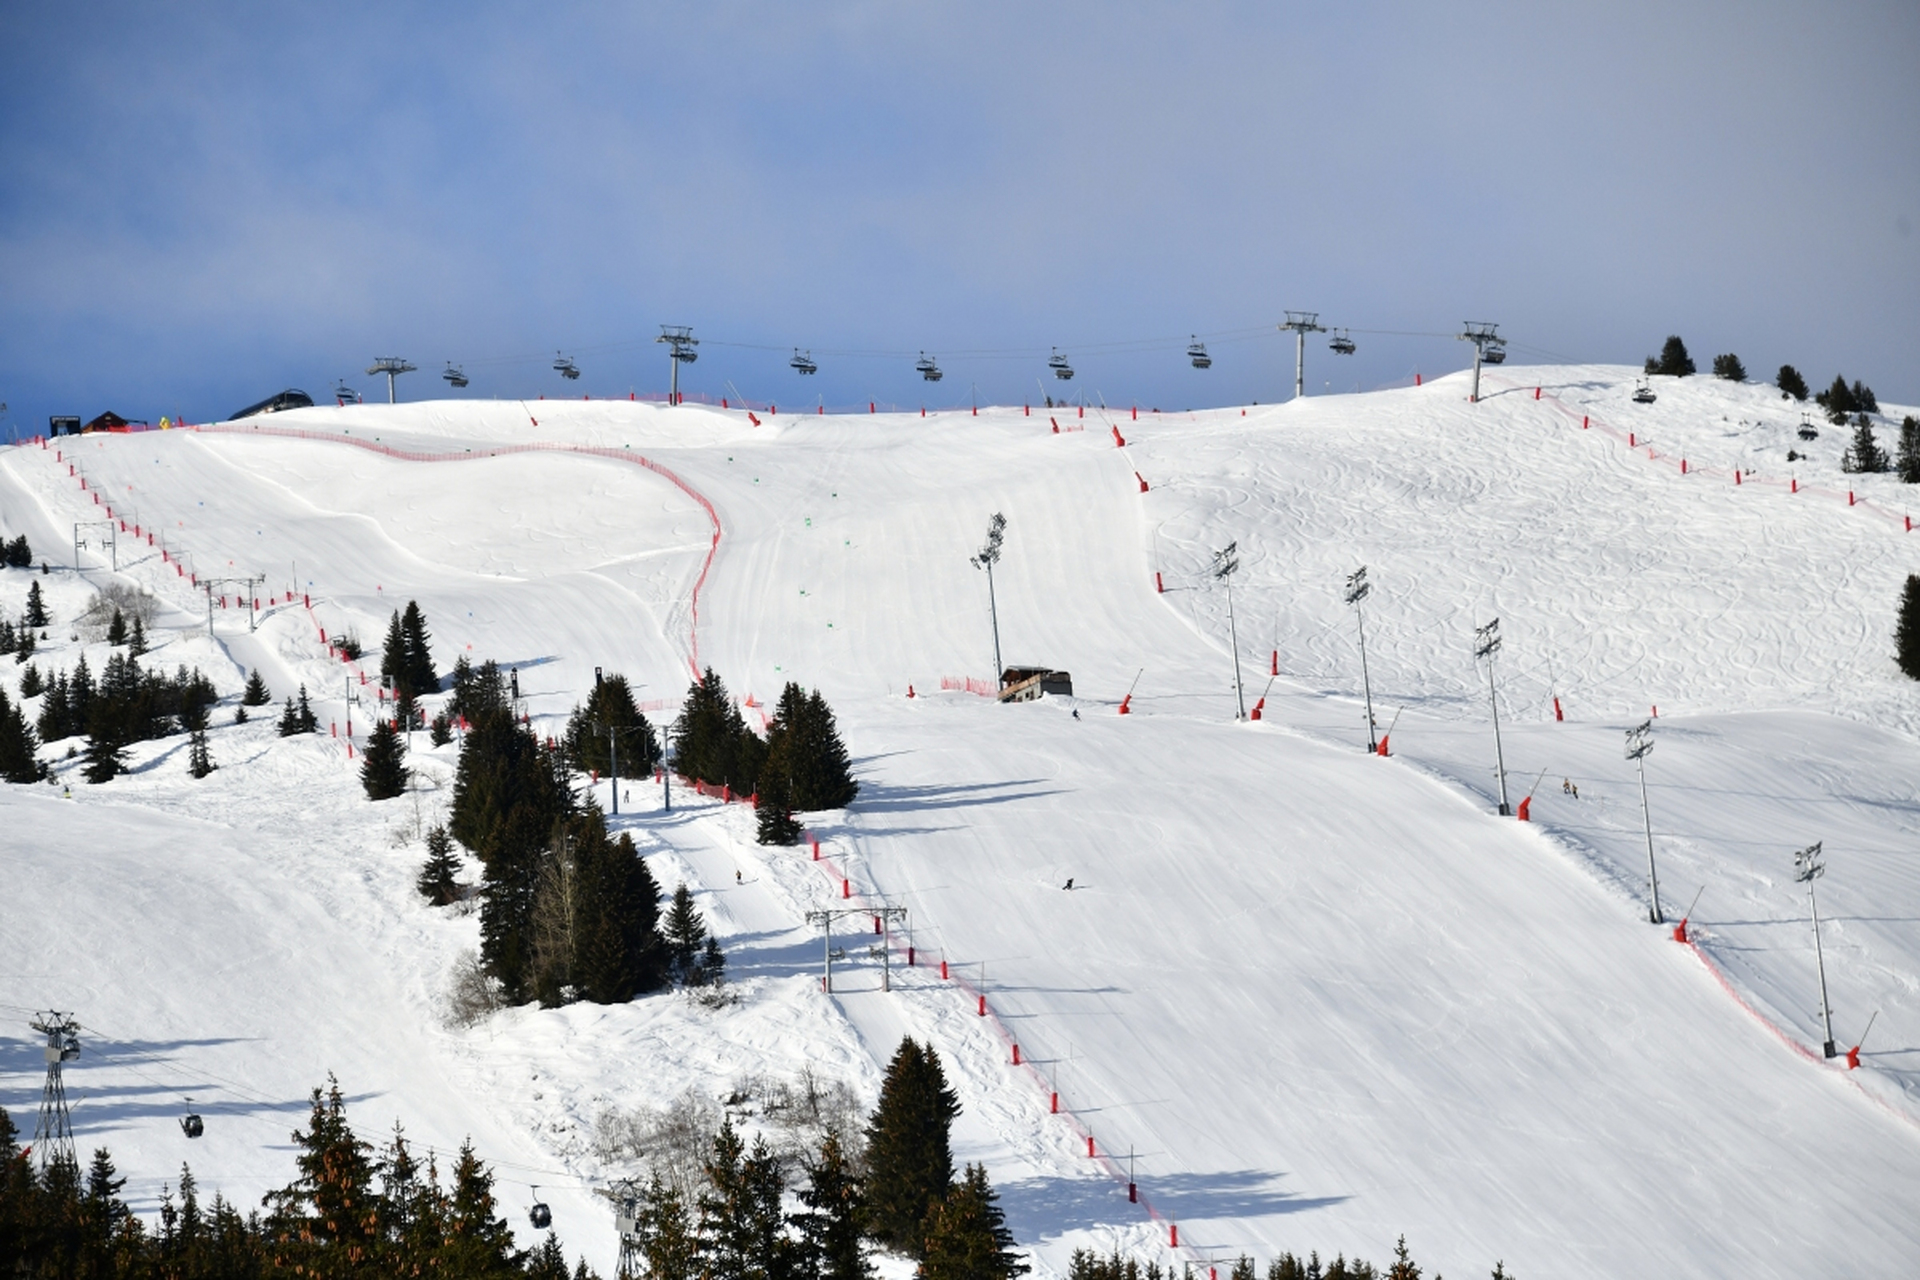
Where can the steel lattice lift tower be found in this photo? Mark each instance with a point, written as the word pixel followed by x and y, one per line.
pixel 53 1131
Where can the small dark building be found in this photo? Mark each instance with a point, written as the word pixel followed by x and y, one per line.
pixel 1027 684
pixel 64 425
pixel 108 421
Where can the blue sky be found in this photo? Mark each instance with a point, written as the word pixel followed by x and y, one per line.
pixel 201 204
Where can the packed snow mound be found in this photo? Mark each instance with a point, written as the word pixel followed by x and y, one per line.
pixel 1322 997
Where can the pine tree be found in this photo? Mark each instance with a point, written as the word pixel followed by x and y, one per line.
pixel 1790 383
pixel 685 934
pixel 618 951
pixel 19 760
pixel 18 554
pixel 1728 368
pixel 710 970
pixel 1863 398
pixel 967 1237
pixel 105 755
pixel 440 732
pixel 827 780
pixel 1906 634
pixel 462 676
pixel 329 1209
pixel 419 676
pixel 830 1228
pixel 439 881
pixel 256 693
pixel 1404 1267
pixel 774 820
pixel 667 1239
pixel 740 1227
pixel 393 654
pixel 137 637
pixel 117 629
pixel 23 644
pixel 509 792
pixel 479 1243
pixel 36 607
pixel 31 684
pixel 199 757
pixel 383 767
pixel 289 721
pixel 1907 463
pixel 1865 454
pixel 309 722
pixel 909 1151
pixel 611 707
pixel 712 743
pixel 1837 400
pixel 1673 359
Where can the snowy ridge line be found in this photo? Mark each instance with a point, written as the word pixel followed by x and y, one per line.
pixel 1791 484
pixel 838 877
pixel 498 450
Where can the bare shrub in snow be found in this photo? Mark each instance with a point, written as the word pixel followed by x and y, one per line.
pixel 474 993
pixel 673 1144
pixel 131 602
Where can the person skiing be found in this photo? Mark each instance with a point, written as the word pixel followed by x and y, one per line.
pixel 1069 884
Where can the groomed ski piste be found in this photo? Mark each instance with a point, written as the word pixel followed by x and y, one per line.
pixel 1315 998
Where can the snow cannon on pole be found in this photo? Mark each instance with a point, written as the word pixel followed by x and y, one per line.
pixel 1385 737
pixel 1853 1054
pixel 1680 930
pixel 1526 805
pixel 989 556
pixel 1126 703
pixel 1486 644
pixel 1226 562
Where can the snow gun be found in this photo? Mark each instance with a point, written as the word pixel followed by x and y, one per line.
pixel 1680 930
pixel 1382 748
pixel 1126 703
pixel 1853 1054
pixel 1524 813
pixel 1261 705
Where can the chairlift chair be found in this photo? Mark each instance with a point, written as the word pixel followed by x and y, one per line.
pixel 190 1123
pixel 928 369
pixel 1341 343
pixel 564 366
pixel 802 362
pixel 1061 369
pixel 1197 352
pixel 1643 394
pixel 539 1215
pixel 1494 354
pixel 454 375
pixel 345 395
pixel 1807 430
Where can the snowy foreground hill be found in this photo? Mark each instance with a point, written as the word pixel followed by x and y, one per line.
pixel 1317 998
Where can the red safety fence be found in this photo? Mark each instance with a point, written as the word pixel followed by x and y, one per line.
pixel 967 684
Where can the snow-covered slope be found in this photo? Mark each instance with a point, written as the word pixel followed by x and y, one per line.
pixel 1323 997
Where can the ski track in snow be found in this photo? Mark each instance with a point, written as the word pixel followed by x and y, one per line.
pixel 1290 978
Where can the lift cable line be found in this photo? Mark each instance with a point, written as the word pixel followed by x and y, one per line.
pixel 393 367
pixel 1357 590
pixel 1808 867
pixel 1639 747
pixel 1226 563
pixel 1486 643
pixel 988 557
pixel 1302 323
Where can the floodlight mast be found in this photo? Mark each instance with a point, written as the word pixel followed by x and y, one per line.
pixel 1807 868
pixel 1302 323
pixel 680 347
pixel 1357 589
pixel 988 557
pixel 1226 562
pixel 393 367
pixel 1484 336
pixel 1486 644
pixel 1639 746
